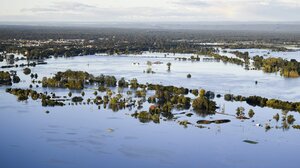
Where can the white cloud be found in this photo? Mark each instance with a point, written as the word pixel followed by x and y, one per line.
pixel 63 7
pixel 154 10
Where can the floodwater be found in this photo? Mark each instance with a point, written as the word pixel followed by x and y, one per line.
pixel 293 54
pixel 85 136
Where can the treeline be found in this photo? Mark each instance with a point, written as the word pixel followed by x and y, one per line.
pixel 68 79
pixel 198 35
pixel 243 55
pixel 111 47
pixel 265 102
pixel 166 97
pixel 163 101
pixel 24 94
pixel 289 69
pixel 212 52
pixel 271 47
pixel 77 79
pixel 85 41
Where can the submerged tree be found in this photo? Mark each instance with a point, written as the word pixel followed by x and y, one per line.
pixel 240 112
pixel 203 105
pixel 276 117
pixel 26 71
pixel 251 113
pixel 169 66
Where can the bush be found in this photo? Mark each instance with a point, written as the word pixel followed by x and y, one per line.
pixel 290 119
pixel 122 83
pixel 195 92
pixel 251 113
pixel 16 79
pixel 140 93
pixel 134 83
pixel 276 117
pixel 145 116
pixel 26 71
pixel 77 99
pixel 240 112
pixel 22 97
pixel 102 89
pixel 228 97
pixel 5 78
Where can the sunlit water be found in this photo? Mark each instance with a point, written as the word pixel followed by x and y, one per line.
pixel 84 136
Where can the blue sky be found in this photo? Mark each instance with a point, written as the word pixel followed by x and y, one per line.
pixel 150 11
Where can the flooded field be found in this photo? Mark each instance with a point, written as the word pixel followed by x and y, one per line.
pixel 77 135
pixel 293 54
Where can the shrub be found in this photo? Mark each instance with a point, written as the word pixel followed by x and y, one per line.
pixel 228 97
pixel 122 83
pixel 26 71
pixel 251 113
pixel 240 111
pixel 276 117
pixel 290 119
pixel 16 79
pixel 5 78
pixel 77 99
pixel 134 83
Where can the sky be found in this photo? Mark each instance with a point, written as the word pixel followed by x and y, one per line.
pixel 149 10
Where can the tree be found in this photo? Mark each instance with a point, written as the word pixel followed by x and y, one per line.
pixel 240 111
pixel 16 79
pixel 251 113
pixel 290 119
pixel 122 83
pixel 276 117
pixel 26 71
pixel 134 83
pixel 203 105
pixel 77 99
pixel 202 93
pixel 169 66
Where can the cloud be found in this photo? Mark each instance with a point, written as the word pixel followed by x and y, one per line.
pixel 278 10
pixel 76 9
pixel 244 10
pixel 167 10
pixel 62 6
pixel 193 3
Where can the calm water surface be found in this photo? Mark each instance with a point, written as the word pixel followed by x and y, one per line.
pixel 84 136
